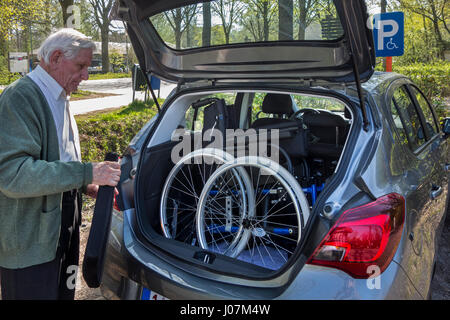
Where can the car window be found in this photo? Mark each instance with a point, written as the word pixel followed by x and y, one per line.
pixel 300 102
pixel 431 126
pixel 243 21
pixel 409 117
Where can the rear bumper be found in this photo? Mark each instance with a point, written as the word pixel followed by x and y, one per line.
pixel 128 259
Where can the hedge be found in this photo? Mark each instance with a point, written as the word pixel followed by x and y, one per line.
pixel 113 131
pixel 433 79
pixel 109 75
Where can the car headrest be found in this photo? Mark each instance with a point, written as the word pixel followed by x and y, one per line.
pixel 276 103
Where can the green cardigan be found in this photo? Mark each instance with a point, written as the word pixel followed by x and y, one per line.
pixel 32 179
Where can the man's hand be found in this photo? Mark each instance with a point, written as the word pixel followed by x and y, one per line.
pixel 105 173
pixel 92 190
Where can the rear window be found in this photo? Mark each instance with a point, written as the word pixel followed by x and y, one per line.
pixel 224 22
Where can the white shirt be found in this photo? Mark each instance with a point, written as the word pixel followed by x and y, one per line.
pixel 66 127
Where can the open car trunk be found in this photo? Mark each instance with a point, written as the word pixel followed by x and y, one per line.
pixel 248 220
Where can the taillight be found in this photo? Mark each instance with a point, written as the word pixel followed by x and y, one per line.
pixel 362 237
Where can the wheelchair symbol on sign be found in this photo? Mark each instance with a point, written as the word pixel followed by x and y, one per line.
pixel 391 45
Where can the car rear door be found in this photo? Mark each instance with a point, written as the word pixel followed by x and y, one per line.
pixel 422 177
pixel 439 178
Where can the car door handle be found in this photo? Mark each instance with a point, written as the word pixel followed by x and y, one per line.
pixel 435 191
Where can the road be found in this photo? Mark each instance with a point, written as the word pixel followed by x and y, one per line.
pixel 122 88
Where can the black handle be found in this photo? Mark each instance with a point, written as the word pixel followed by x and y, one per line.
pixel 98 236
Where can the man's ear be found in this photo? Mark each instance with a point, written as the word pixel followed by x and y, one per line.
pixel 55 57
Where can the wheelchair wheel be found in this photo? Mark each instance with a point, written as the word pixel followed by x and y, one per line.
pixel 182 190
pixel 278 211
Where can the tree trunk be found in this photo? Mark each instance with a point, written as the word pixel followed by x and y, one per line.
pixel 3 46
pixel 437 32
pixel 285 20
pixel 104 33
pixel 65 4
pixel 266 20
pixel 206 31
pixel 178 20
pixel 227 35
pixel 302 18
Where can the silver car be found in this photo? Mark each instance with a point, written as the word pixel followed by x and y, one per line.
pixel 281 166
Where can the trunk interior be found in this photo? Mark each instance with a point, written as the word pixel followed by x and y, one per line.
pixel 239 231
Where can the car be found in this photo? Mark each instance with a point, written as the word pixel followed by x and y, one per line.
pixel 95 67
pixel 277 168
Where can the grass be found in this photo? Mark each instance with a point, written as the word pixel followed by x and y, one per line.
pixel 103 132
pixel 135 108
pixel 83 94
pixel 80 94
pixel 109 75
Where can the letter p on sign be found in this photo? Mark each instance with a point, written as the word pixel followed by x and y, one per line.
pixel 388 34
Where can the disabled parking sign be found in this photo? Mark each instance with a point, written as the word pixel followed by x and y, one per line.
pixel 388 34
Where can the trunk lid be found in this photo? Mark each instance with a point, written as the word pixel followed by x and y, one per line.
pixel 190 40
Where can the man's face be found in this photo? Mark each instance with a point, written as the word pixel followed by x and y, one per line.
pixel 70 72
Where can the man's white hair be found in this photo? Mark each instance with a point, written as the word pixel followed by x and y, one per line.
pixel 68 40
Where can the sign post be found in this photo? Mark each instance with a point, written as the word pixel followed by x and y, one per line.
pixel 388 35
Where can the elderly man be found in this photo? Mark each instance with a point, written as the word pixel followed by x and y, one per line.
pixel 41 172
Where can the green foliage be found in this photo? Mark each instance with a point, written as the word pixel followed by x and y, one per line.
pixel 5 76
pixel 108 75
pixel 117 60
pixel 112 131
pixel 433 79
pixel 80 94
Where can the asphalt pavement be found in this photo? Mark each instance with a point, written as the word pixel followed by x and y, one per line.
pixel 122 90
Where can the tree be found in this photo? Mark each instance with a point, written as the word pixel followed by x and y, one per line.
pixel 117 60
pixel 179 20
pixel 285 20
pixel 88 24
pixel 206 30
pixel 65 4
pixel 437 12
pixel 307 13
pixel 101 15
pixel 16 15
pixel 228 12
pixel 258 18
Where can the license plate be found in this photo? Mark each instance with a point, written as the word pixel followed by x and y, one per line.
pixel 151 295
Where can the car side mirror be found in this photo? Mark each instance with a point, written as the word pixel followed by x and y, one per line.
pixel 446 127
